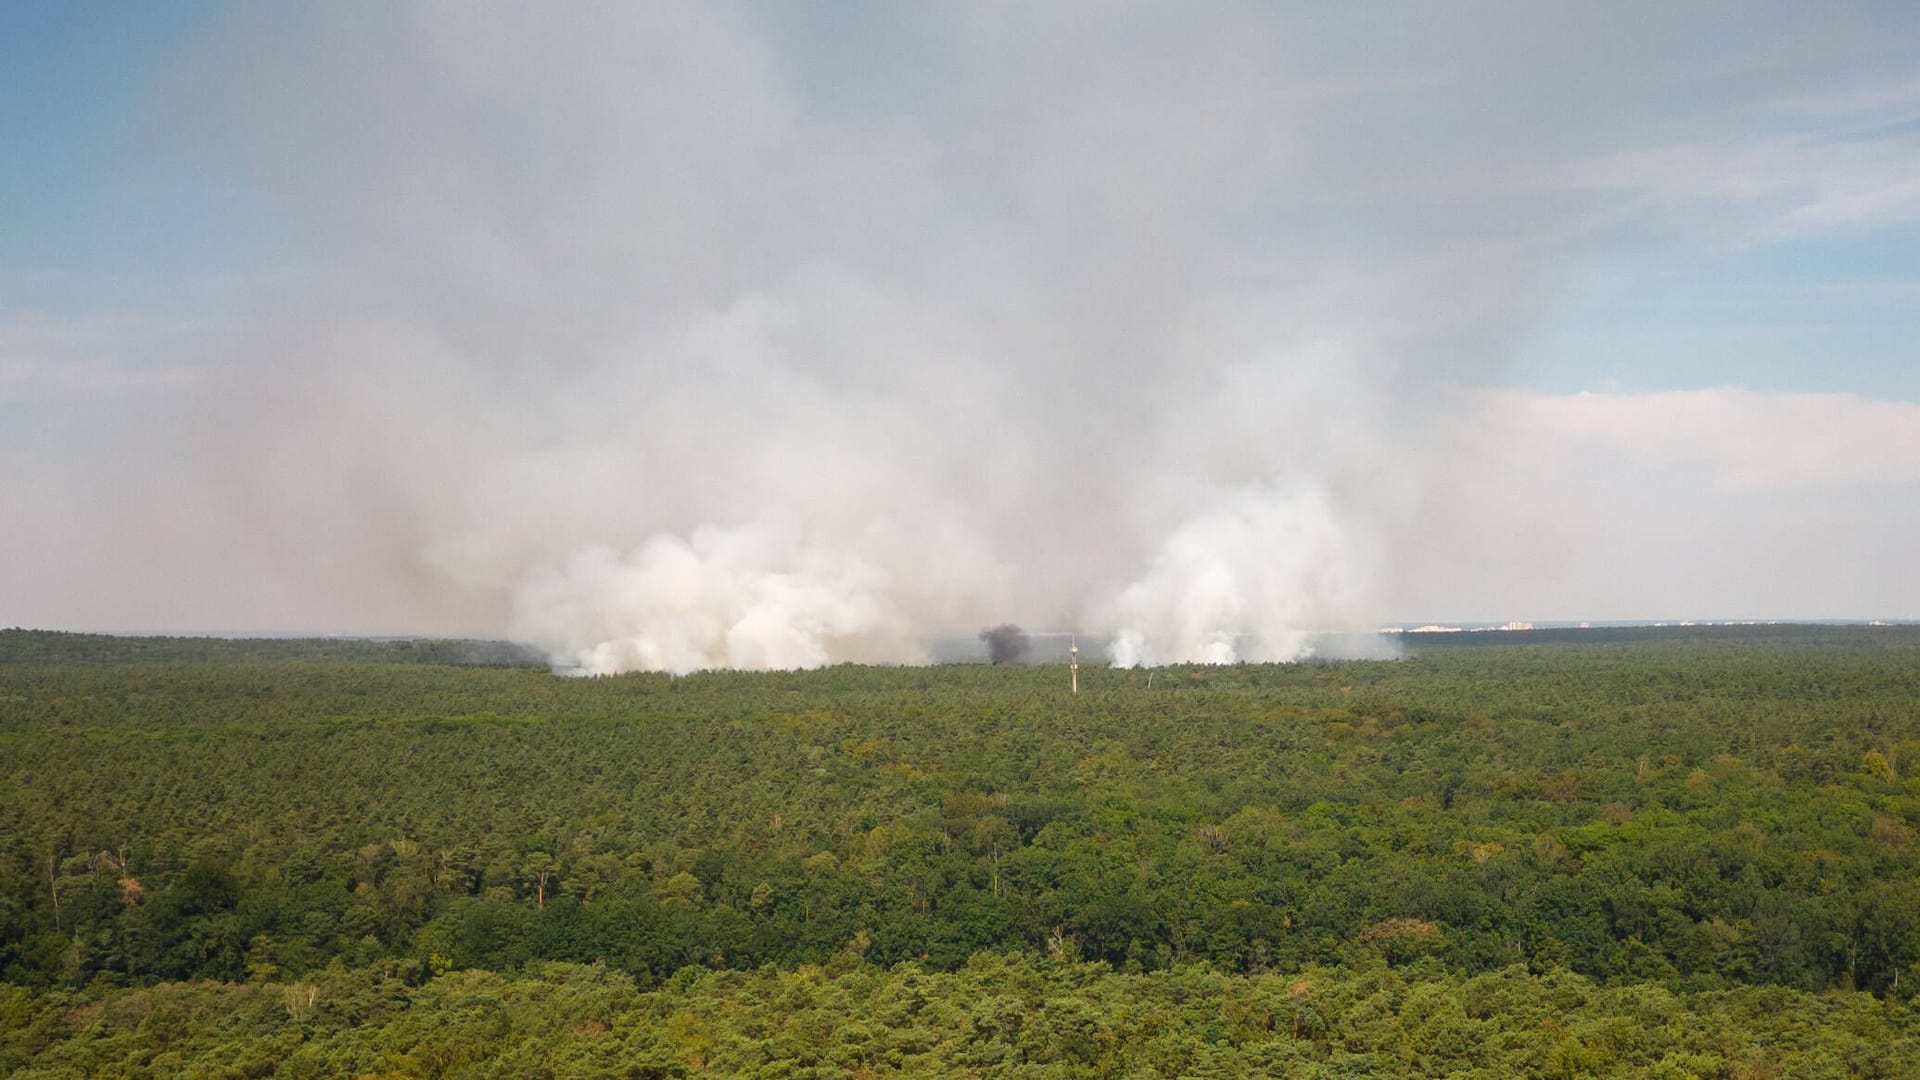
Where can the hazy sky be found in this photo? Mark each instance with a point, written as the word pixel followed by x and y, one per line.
pixel 777 334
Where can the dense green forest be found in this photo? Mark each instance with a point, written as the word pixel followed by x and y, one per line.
pixel 1689 852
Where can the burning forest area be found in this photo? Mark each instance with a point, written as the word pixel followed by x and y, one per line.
pixel 751 538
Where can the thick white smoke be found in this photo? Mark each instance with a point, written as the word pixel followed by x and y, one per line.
pixel 673 336
pixel 741 598
pixel 1252 580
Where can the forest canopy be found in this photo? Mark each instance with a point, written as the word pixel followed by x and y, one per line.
pixel 1691 852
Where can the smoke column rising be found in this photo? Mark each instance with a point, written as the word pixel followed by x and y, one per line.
pixel 1006 643
pixel 680 336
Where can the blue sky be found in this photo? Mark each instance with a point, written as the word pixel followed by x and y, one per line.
pixel 100 212
pixel 1834 313
pixel 409 317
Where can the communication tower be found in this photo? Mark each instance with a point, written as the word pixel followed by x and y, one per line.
pixel 1073 661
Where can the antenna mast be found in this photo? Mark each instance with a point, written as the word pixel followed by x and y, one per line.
pixel 1073 664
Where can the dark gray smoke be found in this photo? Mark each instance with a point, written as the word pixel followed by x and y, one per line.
pixel 1006 643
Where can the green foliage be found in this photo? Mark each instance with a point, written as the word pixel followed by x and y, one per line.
pixel 999 1015
pixel 1523 834
pixel 19 646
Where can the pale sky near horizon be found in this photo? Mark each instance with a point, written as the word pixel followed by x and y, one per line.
pixel 1688 385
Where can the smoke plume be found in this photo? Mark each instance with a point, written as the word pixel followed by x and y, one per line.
pixel 1006 643
pixel 673 336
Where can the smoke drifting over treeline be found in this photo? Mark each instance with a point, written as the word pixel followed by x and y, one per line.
pixel 671 336
pixel 1006 643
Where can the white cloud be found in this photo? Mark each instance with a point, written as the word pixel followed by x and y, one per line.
pixel 1744 440
pixel 1713 503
